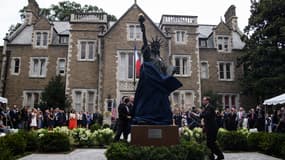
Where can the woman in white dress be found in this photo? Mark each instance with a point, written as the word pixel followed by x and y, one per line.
pixel 33 119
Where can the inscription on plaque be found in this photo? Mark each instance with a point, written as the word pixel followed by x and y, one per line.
pixel 154 133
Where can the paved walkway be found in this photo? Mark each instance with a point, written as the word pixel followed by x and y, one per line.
pixel 98 154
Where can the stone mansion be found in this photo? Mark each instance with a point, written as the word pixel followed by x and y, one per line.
pixel 95 57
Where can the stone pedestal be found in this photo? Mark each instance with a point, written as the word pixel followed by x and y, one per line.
pixel 154 135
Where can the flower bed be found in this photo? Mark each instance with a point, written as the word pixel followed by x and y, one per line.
pixel 61 139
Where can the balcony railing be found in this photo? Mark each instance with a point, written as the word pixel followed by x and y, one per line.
pixel 178 20
pixel 89 17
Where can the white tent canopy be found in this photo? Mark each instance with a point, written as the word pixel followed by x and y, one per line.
pixel 3 100
pixel 275 100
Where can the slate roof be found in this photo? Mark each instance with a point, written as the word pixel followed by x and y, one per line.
pixel 23 37
pixel 62 27
pixel 205 30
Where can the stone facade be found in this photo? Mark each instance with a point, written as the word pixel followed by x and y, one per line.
pixel 97 57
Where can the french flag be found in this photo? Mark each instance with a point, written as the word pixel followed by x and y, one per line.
pixel 138 62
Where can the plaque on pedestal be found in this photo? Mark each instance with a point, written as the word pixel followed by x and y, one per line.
pixel 154 135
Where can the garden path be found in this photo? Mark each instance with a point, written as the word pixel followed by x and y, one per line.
pixel 98 154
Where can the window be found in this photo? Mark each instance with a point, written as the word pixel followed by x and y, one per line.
pixel 182 65
pixel 78 101
pixel 109 103
pixel 134 32
pixel 204 70
pixel 38 66
pixel 181 37
pixel 15 65
pixel 61 66
pixel 203 43
pixel 226 71
pixel 91 101
pixel 183 98
pixel 223 44
pixel 84 99
pixel 126 65
pixel 63 39
pixel 41 39
pixel 32 98
pixel 230 100
pixel 86 50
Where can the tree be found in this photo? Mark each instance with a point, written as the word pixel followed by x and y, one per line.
pixel 63 11
pixel 54 94
pixel 263 61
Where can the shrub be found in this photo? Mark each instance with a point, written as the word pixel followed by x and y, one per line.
pixel 5 152
pixel 82 137
pixel 186 134
pixel 118 151
pixel 95 127
pixel 54 142
pixel 31 139
pixel 16 143
pixel 198 135
pixel 106 126
pixel 282 150
pixel 195 151
pixel 103 136
pixel 232 140
pixel 272 143
pixel 64 130
pixel 254 139
pixel 41 132
pixel 184 151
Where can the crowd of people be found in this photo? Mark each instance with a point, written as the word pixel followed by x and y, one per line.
pixel 233 119
pixel 229 118
pixel 31 119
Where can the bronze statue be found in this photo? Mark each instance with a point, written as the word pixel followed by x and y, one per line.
pixel 152 106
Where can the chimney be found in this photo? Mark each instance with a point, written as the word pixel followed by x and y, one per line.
pixel 231 18
pixel 32 12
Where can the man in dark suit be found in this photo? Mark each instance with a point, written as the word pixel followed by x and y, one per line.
pixel 14 116
pixel 124 118
pixel 211 128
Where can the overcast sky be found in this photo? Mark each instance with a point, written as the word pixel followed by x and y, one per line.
pixel 208 11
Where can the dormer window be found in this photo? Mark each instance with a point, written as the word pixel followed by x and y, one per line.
pixel 203 43
pixel 63 40
pixel 223 44
pixel 41 39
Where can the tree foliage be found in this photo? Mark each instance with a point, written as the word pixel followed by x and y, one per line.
pixel 54 94
pixel 63 10
pixel 263 63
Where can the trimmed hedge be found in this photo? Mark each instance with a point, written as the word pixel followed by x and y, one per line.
pixel 5 152
pixel 268 143
pixel 54 142
pixel 272 144
pixel 187 150
pixel 232 140
pixel 31 139
pixel 16 143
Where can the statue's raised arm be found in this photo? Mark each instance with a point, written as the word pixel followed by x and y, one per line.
pixel 145 47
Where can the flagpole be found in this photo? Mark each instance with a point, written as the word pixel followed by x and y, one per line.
pixel 134 65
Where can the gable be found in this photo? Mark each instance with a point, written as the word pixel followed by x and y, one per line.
pixel 131 16
pixel 42 24
pixel 222 29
